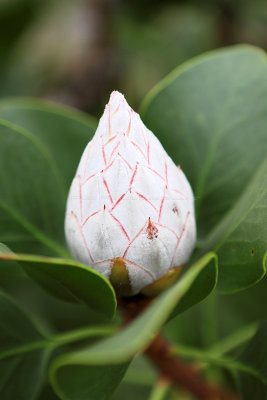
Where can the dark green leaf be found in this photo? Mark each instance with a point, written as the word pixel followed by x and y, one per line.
pixel 242 307
pixel 203 285
pixel 32 196
pixel 240 240
pixel 24 350
pixel 21 374
pixel 40 147
pixel 80 384
pixel 64 131
pixel 8 269
pixel 48 394
pixel 251 365
pixel 119 349
pixel 255 355
pixel 38 167
pixel 211 115
pixel 68 280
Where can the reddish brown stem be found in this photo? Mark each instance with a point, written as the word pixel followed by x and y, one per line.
pixel 181 374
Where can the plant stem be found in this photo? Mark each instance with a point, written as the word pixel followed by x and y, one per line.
pixel 176 371
pixel 183 374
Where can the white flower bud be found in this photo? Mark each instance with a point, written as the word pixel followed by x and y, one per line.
pixel 130 210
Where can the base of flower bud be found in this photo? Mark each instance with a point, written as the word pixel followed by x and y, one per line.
pixel 120 280
pixel 162 283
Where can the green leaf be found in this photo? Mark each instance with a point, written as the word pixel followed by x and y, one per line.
pixel 8 269
pixel 203 285
pixel 240 240
pixel 160 390
pixel 68 280
pixel 21 374
pixel 119 349
pixel 137 381
pixel 62 130
pixel 83 384
pixel 140 373
pixel 210 115
pixel 31 196
pixel 40 147
pixel 24 350
pixel 255 355
pixel 48 394
pixel 251 365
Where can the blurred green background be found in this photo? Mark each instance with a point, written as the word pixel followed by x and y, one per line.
pixel 76 52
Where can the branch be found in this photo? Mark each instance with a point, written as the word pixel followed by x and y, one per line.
pixel 183 374
pixel 178 372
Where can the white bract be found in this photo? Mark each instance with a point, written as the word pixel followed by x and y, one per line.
pixel 128 201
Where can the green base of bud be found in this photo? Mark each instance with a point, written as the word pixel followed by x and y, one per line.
pixel 119 279
pixel 162 283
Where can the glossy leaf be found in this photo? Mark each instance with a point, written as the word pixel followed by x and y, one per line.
pixel 31 196
pixel 24 350
pixel 240 240
pixel 82 384
pixel 255 355
pixel 251 365
pixel 62 130
pixel 119 349
pixel 210 115
pixel 212 356
pixel 9 269
pixel 137 381
pixel 21 374
pixel 40 146
pixel 38 169
pixel 68 280
pixel 212 121
pixel 203 285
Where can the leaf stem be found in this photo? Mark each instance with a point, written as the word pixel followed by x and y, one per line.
pixel 60 339
pixel 38 344
pixel 160 389
pixel 214 354
pixel 82 333
pixel 205 356
pixel 234 340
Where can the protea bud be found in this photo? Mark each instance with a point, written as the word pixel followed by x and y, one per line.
pixel 130 210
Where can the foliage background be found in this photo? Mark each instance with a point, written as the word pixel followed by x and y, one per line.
pixel 76 53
